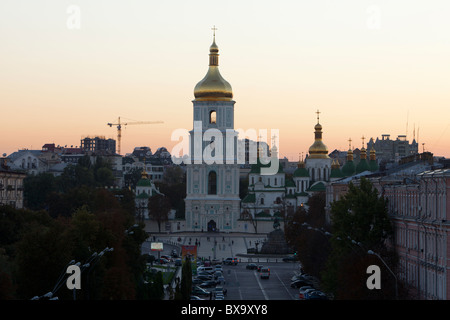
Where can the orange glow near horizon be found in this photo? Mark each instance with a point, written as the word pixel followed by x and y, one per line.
pixel 141 62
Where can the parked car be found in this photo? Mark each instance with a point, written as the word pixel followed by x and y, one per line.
pixel 215 262
pixel 205 269
pixel 204 274
pixel 166 257
pixel 219 296
pixel 197 281
pixel 196 298
pixel 208 284
pixel 198 291
pixel 204 278
pixel 178 263
pixel 315 295
pixel 300 283
pixel 304 290
pixel 219 290
pixel 162 261
pixel 251 266
pixel 220 280
pixel 289 259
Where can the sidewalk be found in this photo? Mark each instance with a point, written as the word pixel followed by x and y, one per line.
pixel 214 245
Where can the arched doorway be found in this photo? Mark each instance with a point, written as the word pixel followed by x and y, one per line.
pixel 212 226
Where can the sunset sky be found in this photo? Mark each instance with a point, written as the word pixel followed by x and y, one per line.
pixel 370 67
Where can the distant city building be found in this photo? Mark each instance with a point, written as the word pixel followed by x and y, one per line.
pixel 98 145
pixel 145 189
pixel 419 211
pixel 418 197
pixel 152 164
pixel 388 150
pixel 142 152
pixel 11 185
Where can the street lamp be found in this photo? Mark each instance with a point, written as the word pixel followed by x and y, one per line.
pixel 395 277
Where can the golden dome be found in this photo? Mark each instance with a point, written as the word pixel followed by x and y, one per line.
pixel 318 149
pixel 213 87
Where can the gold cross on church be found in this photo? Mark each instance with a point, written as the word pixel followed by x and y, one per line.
pixel 318 112
pixel 214 30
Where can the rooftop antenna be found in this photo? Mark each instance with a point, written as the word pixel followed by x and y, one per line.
pixel 418 134
pixel 407 118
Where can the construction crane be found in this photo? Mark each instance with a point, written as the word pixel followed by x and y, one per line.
pixel 119 128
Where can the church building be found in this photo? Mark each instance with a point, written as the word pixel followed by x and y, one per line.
pixel 212 183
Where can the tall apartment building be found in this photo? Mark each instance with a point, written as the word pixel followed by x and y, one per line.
pixel 99 145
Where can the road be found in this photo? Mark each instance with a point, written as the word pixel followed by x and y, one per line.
pixel 244 284
pixel 241 283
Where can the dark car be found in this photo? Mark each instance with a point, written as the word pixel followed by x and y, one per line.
pixel 197 291
pixel 289 259
pixel 300 283
pixel 197 281
pixel 208 284
pixel 204 278
pixel 315 295
pixel 251 266
pixel 162 261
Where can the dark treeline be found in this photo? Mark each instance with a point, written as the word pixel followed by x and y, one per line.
pixel 73 217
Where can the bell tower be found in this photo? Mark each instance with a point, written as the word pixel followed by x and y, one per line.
pixel 212 184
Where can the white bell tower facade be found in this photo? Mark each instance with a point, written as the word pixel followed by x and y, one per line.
pixel 212 176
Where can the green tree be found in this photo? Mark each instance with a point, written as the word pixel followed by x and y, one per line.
pixel 158 208
pixel 132 177
pixel 305 231
pixel 186 279
pixel 359 222
pixel 36 189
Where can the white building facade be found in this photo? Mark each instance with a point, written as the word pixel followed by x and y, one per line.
pixel 212 176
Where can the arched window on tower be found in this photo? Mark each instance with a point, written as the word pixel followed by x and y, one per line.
pixel 212 182
pixel 212 117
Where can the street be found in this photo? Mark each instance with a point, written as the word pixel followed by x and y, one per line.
pixel 241 283
pixel 244 284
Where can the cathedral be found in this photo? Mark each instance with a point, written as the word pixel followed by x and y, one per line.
pixel 271 196
pixel 212 177
pixel 212 202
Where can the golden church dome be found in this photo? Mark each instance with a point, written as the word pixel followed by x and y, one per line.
pixel 318 149
pixel 213 87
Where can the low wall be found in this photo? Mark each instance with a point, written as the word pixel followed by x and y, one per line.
pixel 242 226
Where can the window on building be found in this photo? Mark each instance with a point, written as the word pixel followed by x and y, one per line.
pixel 212 182
pixel 212 117
pixel 262 201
